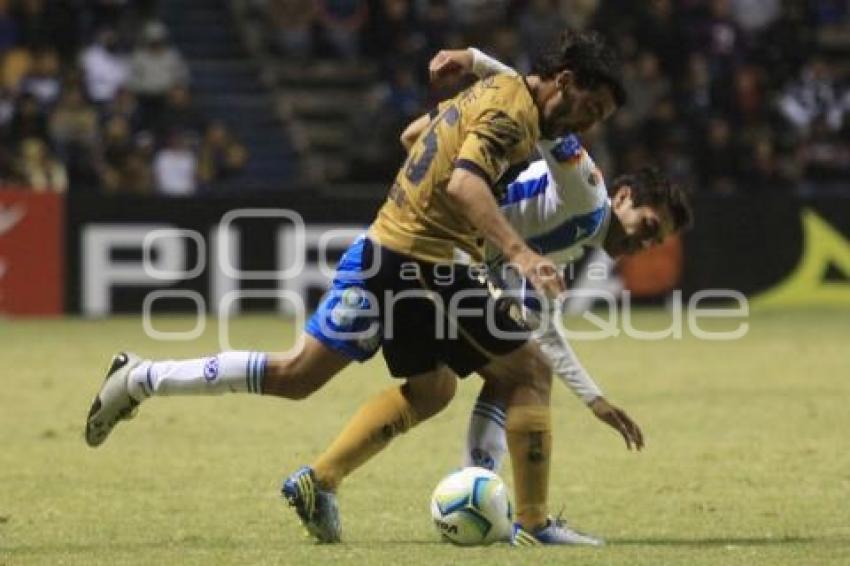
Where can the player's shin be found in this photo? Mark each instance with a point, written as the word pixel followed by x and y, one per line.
pixel 221 373
pixel 369 431
pixel 486 446
pixel 529 434
pixel 382 418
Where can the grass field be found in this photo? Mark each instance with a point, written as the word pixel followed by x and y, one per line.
pixel 748 458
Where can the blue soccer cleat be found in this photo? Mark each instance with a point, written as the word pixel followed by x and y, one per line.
pixel 554 532
pixel 317 508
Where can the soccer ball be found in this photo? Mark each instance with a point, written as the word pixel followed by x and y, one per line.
pixel 471 507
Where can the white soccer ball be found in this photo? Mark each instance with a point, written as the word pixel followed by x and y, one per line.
pixel 471 507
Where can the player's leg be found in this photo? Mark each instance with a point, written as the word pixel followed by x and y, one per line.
pixel 486 443
pixel 341 330
pixel 311 489
pixel 131 380
pixel 526 374
pixel 289 376
pixel 386 415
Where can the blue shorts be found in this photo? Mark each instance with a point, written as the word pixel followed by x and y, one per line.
pixel 346 320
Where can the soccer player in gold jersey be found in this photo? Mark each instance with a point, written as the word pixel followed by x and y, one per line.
pixel 443 198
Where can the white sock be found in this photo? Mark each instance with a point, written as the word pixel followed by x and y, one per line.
pixel 227 371
pixel 486 444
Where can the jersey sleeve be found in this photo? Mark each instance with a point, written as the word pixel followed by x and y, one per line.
pixel 496 137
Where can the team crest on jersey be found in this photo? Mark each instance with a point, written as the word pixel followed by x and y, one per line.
pixel 211 369
pixel 567 149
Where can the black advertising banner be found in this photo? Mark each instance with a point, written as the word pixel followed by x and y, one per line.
pixel 120 251
pixel 777 250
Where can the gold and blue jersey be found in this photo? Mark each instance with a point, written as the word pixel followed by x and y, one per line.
pixel 485 129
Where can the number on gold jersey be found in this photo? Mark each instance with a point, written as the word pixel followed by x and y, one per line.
pixel 417 168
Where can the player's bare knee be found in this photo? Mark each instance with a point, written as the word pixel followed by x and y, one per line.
pixel 430 394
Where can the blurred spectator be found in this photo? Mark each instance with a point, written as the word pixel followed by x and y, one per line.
pixel 341 22
pixel 7 107
pixel 73 128
pixel 105 69
pixel 124 105
pixel 645 85
pixel 175 168
pixel 578 14
pixel 155 68
pixel 761 170
pixel 753 16
pixel 717 158
pixel 125 165
pixel 539 25
pixel 35 23
pixel 28 121
pixel 43 82
pixel 73 122
pixel 697 96
pixel 179 115
pixel 722 40
pixel 107 13
pixel 48 23
pixel 394 35
pixel 36 169
pixel 813 96
pixel 292 22
pixel 220 156
pixel 379 152
pixel 505 45
pixel 660 29
pixel 826 154
pixel 8 27
pixel 437 26
pixel 137 174
pixel 747 97
pixel 117 146
pixel 15 65
pixel 478 13
pixel 830 12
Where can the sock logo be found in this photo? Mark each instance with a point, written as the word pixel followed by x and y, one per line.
pixel 483 459
pixel 211 369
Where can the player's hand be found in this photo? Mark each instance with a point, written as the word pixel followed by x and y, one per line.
pixel 619 420
pixel 541 272
pixel 450 64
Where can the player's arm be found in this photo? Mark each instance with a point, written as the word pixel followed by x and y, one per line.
pixel 453 63
pixel 413 130
pixel 566 366
pixel 474 197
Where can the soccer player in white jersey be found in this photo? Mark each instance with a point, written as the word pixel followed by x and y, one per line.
pixel 558 203
pixel 561 206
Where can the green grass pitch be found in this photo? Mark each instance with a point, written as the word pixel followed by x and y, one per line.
pixel 747 458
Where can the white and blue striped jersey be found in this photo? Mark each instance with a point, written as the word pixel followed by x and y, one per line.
pixel 558 204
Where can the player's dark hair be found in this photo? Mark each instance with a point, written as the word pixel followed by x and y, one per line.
pixel 588 56
pixel 651 187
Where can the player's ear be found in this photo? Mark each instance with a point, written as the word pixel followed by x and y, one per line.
pixel 564 79
pixel 624 192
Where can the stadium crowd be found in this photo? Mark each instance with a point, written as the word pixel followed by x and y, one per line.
pixel 94 96
pixel 726 95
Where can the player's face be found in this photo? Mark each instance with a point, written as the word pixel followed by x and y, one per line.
pixel 643 226
pixel 573 109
